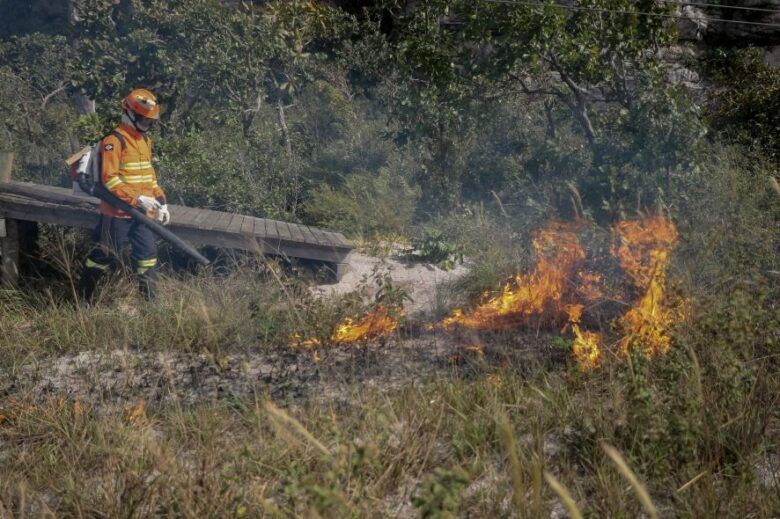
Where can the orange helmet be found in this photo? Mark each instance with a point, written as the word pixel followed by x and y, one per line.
pixel 143 103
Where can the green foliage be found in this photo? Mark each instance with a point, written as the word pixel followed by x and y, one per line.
pixel 432 247
pixel 439 495
pixel 747 106
pixel 34 118
pixel 390 211
pixel 729 215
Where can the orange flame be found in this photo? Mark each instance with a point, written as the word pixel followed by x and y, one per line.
pixel 376 324
pixel 557 288
pixel 586 348
pixel 541 293
pixel 643 248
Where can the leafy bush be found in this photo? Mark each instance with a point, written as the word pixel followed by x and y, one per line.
pixel 747 109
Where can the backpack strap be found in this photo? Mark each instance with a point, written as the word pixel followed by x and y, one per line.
pixel 119 136
pixel 95 165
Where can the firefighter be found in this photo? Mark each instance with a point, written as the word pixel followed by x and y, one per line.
pixel 127 171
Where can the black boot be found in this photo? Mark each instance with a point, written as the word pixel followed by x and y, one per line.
pixel 147 284
pixel 88 282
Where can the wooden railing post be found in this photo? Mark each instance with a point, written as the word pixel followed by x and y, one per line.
pixel 6 165
pixel 9 252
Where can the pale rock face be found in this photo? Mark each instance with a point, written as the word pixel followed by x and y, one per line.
pixel 705 23
pixel 693 24
pixel 772 56
pixel 678 59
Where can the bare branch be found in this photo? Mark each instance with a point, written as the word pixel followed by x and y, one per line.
pixel 51 94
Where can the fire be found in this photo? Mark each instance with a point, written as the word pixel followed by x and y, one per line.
pixel 558 288
pixel 643 245
pixel 375 324
pixel 586 349
pixel 378 323
pixel 643 249
pixel 586 345
pixel 541 293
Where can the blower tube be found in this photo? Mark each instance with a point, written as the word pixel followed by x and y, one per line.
pixel 100 191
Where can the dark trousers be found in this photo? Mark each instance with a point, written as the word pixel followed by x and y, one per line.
pixel 109 237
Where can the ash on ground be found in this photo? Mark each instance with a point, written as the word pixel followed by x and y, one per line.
pixel 105 380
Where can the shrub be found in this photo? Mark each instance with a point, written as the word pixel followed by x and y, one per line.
pixel 365 206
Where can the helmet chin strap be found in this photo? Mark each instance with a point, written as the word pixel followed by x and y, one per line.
pixel 130 118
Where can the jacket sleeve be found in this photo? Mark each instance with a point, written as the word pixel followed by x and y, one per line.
pixel 111 157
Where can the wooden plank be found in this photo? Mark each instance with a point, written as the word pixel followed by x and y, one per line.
pixel 270 230
pixel 338 239
pixel 320 235
pixel 213 219
pixel 235 224
pixel 255 237
pixel 297 233
pixel 239 242
pixel 258 229
pixel 222 222
pixel 308 236
pixel 49 204
pixel 77 156
pixel 47 213
pixel 284 231
pixel 344 241
pixel 182 214
pixel 6 165
pixel 52 195
pixel 317 238
pixel 333 240
pixel 200 218
pixel 9 249
pixel 247 225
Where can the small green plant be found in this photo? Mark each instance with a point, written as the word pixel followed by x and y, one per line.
pixel 439 495
pixel 433 247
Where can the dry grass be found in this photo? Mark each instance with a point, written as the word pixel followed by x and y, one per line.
pixel 443 447
pixel 695 433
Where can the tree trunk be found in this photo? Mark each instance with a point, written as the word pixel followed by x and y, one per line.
pixel 81 102
pixel 285 130
pixel 291 174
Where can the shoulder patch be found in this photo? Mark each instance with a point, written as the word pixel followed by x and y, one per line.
pixel 108 147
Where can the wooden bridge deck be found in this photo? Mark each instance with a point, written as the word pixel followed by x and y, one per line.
pixel 48 204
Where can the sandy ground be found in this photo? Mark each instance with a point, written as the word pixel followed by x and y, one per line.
pixel 423 282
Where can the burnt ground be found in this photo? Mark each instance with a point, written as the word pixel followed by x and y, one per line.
pixel 105 380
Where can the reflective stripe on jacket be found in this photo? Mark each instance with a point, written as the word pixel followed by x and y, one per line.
pixel 127 169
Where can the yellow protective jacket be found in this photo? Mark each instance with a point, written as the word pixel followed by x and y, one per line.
pixel 126 168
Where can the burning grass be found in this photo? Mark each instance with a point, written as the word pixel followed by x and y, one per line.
pixel 375 324
pixel 560 287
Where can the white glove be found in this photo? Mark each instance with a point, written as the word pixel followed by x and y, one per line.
pixel 163 216
pixel 148 204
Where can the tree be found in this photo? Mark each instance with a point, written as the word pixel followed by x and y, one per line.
pixel 593 66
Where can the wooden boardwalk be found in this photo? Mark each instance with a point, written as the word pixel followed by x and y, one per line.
pixel 48 204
